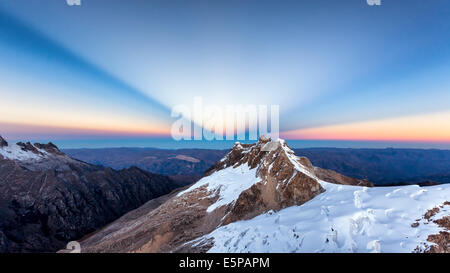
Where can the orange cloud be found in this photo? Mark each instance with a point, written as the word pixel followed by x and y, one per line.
pixel 92 129
pixel 429 127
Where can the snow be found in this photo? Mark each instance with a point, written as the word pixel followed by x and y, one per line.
pixel 230 182
pixel 342 219
pixel 227 183
pixel 15 152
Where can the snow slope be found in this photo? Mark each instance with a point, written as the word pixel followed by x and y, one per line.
pixel 230 182
pixel 227 183
pixel 342 219
pixel 15 152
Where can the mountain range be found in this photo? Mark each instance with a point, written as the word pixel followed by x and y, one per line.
pixel 48 199
pixel 380 166
pixel 259 197
pixel 263 198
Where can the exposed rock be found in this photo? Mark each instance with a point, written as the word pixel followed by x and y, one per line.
pixel 28 147
pixel 306 163
pixel 46 203
pixel 337 178
pixel 440 243
pixel 442 240
pixel 430 213
pixel 50 148
pixel 282 183
pixel 162 229
pixel 3 142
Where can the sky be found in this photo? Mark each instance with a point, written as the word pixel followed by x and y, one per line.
pixel 109 72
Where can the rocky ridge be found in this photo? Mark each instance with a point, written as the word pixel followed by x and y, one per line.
pixel 48 199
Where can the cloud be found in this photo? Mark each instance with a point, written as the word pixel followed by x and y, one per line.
pixel 434 127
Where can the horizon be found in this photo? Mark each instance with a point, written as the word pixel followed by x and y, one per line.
pixel 170 144
pixel 342 73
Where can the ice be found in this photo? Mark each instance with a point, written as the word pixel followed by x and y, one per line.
pixel 15 152
pixel 376 220
pixel 227 183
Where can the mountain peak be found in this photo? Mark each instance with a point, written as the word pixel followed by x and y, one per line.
pixel 266 176
pixel 250 180
pixel 253 154
pixel 25 151
pixel 284 180
pixel 49 147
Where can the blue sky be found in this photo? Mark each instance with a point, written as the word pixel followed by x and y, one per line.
pixel 113 68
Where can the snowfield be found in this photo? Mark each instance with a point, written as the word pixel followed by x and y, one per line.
pixel 15 152
pixel 227 183
pixel 342 219
pixel 230 182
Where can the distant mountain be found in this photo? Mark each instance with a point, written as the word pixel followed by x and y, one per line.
pixel 380 166
pixel 384 166
pixel 184 165
pixel 48 199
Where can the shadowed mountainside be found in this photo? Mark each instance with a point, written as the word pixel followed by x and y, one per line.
pixel 185 166
pixel 48 199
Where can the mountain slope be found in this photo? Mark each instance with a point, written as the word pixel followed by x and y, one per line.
pixel 248 181
pixel 183 165
pixel 48 199
pixel 342 219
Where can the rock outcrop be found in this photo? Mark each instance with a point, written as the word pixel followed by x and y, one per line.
pixel 337 178
pixel 48 199
pixel 3 142
pixel 436 243
pixel 284 181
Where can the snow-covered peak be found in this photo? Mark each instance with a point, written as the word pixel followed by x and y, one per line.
pixel 27 151
pixel 16 152
pixel 262 152
pixel 268 172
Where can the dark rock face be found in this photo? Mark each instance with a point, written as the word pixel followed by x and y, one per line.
pixel 3 142
pixel 3 242
pixel 337 178
pixel 47 203
pixel 29 147
pixel 50 148
pixel 437 243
